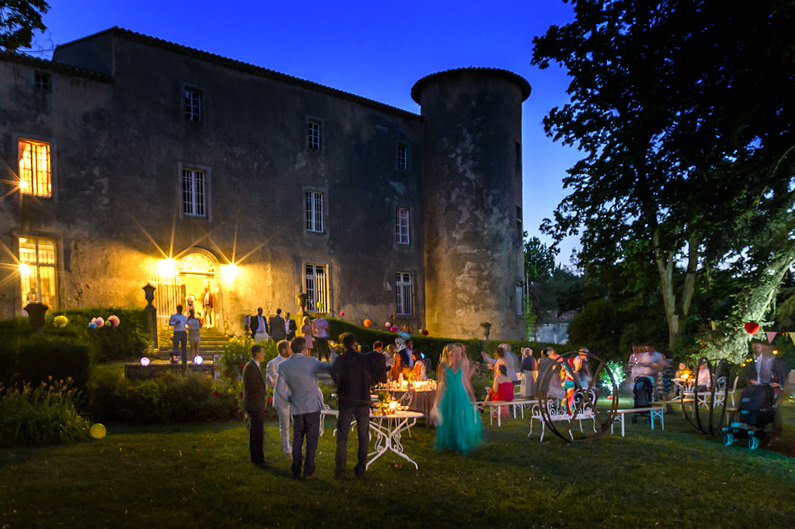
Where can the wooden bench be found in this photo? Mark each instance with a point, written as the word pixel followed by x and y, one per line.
pixel 655 411
pixel 521 403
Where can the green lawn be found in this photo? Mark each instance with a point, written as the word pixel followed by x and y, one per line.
pixel 198 476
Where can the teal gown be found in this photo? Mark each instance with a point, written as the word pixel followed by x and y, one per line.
pixel 461 429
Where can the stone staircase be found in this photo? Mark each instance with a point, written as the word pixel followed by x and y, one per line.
pixel 212 338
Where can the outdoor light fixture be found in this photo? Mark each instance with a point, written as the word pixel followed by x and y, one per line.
pixel 198 360
pixel 229 271
pixel 23 185
pixel 167 266
pixel 145 361
pixel 24 269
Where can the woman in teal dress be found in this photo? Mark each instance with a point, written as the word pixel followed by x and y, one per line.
pixel 458 424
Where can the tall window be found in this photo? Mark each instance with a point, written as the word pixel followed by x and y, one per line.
pixel 35 170
pixel 403 294
pixel 193 192
pixel 316 288
pixel 37 270
pixel 313 135
pixel 519 230
pixel 518 154
pixel 314 211
pixel 402 156
pixel 402 225
pixel 193 104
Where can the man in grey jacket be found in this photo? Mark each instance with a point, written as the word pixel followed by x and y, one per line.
pixel 297 384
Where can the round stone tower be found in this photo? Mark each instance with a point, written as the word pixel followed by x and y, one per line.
pixel 472 178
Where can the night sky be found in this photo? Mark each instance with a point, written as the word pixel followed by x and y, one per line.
pixel 376 49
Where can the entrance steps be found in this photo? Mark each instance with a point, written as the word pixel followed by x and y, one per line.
pixel 212 339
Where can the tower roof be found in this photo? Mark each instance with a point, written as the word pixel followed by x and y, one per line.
pixel 524 86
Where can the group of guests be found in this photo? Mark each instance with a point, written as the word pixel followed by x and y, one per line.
pixel 186 329
pixel 277 328
pixel 400 363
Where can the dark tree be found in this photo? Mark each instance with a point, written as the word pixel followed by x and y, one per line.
pixel 19 20
pixel 684 113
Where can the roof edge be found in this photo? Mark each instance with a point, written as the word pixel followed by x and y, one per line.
pixel 524 86
pixel 58 67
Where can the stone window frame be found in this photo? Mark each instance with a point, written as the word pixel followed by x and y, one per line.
pixel 208 194
pixel 58 266
pixel 315 144
pixel 400 289
pixel 188 114
pixel 323 213
pixel 42 81
pixel 399 235
pixel 326 265
pixel 20 136
pixel 402 165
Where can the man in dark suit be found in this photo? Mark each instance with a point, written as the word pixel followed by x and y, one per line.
pixel 764 367
pixel 289 326
pixel 407 354
pixel 351 372
pixel 259 326
pixel 276 325
pixel 254 402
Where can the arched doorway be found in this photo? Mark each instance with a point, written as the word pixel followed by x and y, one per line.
pixel 197 277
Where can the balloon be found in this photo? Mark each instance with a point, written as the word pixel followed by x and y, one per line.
pixel 404 335
pixel 320 305
pixel 387 325
pixel 393 329
pixel 367 323
pixel 92 325
pixel 97 431
pixel 342 314
pixel 752 327
pixel 425 332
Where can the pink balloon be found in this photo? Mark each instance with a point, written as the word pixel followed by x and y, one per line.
pixel 387 325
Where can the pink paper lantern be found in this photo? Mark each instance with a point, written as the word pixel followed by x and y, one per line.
pixel 393 329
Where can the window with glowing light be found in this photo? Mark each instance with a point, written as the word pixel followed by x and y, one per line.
pixel 402 225
pixel 404 299
pixel 37 258
pixel 193 192
pixel 314 211
pixel 35 169
pixel 316 282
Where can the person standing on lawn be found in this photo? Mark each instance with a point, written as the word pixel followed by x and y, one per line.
pixel 458 425
pixel 254 402
pixel 351 372
pixel 297 384
pixel 281 404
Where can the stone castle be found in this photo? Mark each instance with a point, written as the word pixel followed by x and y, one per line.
pixel 129 159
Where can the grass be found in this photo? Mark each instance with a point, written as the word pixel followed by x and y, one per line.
pixel 199 476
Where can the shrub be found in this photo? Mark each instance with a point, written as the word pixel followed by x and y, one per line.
pixel 35 358
pixel 237 352
pixel 40 415
pixel 129 340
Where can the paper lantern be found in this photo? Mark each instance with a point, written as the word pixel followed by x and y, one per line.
pixel 100 322
pixel 342 314
pixel 425 332
pixel 367 323
pixel 404 335
pixel 92 325
pixel 320 305
pixel 752 327
pixel 97 431
pixel 393 329
pixel 387 325
pixel 198 360
pixel 114 321
pixel 145 361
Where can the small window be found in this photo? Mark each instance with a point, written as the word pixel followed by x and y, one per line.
pixel 193 104
pixel 402 156
pixel 35 168
pixel 313 135
pixel 43 81
pixel 519 223
pixel 316 280
pixel 37 265
pixel 403 294
pixel 314 211
pixel 194 193
pixel 518 154
pixel 402 225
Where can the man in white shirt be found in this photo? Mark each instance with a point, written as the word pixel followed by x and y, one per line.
pixel 259 327
pixel 178 321
pixel 279 401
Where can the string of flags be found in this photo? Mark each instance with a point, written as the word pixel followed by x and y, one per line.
pixel 752 328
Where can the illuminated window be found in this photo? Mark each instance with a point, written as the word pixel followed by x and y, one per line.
pixel 37 270
pixel 314 211
pixel 402 156
pixel 42 81
pixel 193 104
pixel 403 294
pixel 402 225
pixel 35 170
pixel 313 135
pixel 316 281
pixel 193 192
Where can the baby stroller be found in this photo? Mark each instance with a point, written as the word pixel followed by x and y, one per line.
pixel 755 417
pixel 643 391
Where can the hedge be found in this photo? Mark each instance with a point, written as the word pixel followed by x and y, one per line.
pixel 129 340
pixel 432 346
pixel 35 359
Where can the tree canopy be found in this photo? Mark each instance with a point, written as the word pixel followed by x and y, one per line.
pixel 683 112
pixel 19 20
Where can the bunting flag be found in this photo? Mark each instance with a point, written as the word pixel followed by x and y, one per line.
pixel 713 324
pixel 792 337
pixel 770 336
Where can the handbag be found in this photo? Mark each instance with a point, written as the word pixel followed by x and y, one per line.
pixel 436 415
